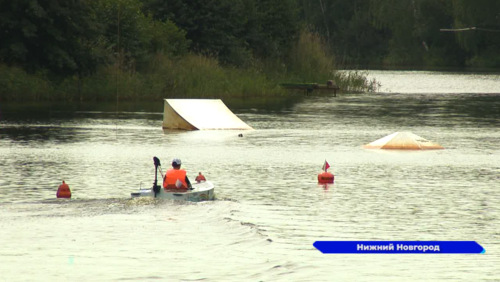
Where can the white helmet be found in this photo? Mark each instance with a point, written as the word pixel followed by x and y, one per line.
pixel 176 162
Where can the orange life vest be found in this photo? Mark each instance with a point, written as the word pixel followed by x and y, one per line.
pixel 171 178
pixel 200 178
pixel 63 191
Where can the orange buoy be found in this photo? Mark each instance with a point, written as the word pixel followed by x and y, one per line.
pixel 326 177
pixel 63 191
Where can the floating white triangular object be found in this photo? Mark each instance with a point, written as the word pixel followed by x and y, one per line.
pixel 403 141
pixel 200 114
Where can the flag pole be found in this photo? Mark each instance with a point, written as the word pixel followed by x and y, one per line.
pixel 326 166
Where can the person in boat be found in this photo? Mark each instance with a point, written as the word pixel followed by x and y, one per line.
pixel 200 178
pixel 175 178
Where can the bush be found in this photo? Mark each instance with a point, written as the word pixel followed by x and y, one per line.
pixel 17 85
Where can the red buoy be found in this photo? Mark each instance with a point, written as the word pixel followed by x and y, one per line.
pixel 326 177
pixel 63 191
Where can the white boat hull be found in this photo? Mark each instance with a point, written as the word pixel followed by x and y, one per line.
pixel 203 191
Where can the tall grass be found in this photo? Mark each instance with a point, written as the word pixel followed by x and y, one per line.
pixel 311 61
pixel 16 84
pixel 190 76
pixel 355 81
pixel 197 76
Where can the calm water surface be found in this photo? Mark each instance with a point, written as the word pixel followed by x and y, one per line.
pixel 270 208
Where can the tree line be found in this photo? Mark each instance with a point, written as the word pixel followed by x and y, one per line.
pixel 407 33
pixel 77 36
pixel 82 46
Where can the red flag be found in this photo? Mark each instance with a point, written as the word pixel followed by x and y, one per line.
pixel 326 166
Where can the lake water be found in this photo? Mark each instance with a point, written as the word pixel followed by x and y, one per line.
pixel 269 209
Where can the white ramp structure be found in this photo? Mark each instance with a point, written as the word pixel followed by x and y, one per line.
pixel 403 141
pixel 200 114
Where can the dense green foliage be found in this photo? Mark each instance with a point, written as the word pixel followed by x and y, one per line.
pixel 407 33
pixel 148 49
pixel 57 35
pixel 234 30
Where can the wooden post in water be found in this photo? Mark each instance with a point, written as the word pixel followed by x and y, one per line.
pixel 331 84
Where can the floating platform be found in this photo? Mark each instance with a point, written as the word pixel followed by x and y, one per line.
pixel 310 87
pixel 403 141
pixel 200 114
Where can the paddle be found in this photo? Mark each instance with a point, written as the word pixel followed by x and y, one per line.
pixel 157 164
pixel 156 187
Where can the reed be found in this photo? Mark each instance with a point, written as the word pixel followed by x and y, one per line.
pixel 355 81
pixel 17 85
pixel 311 61
pixel 188 76
pixel 198 76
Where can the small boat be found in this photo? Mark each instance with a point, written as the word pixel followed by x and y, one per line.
pixel 202 191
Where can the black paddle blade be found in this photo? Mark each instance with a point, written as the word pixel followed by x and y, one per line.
pixel 156 161
pixel 156 189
